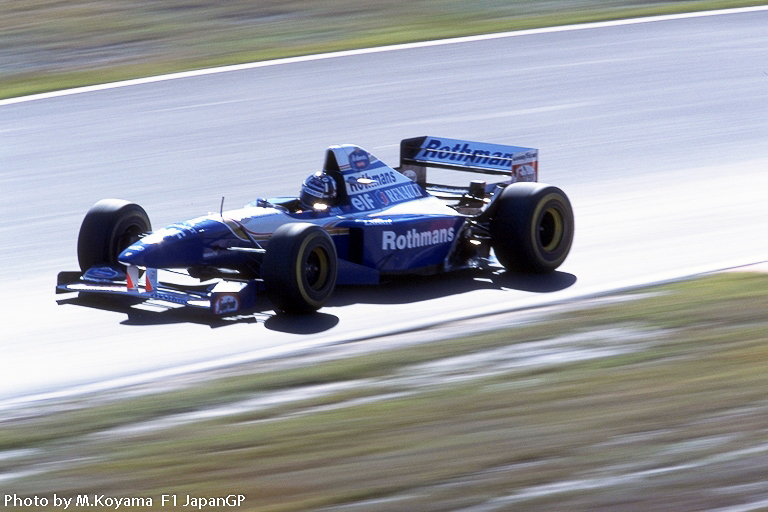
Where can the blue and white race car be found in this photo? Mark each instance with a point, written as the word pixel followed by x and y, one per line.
pixel 358 221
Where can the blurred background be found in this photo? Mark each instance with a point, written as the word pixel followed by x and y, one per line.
pixel 52 44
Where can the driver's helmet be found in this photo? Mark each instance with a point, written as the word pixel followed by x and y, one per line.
pixel 318 188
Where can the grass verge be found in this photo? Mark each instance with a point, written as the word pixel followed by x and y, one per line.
pixel 653 404
pixel 47 45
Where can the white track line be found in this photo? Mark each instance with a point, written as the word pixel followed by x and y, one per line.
pixel 379 49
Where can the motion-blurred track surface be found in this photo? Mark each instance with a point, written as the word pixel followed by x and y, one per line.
pixel 656 131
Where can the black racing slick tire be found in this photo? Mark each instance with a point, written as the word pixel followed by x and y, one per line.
pixel 299 268
pixel 532 227
pixel 110 226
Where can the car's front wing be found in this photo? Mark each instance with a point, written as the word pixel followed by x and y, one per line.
pixel 147 292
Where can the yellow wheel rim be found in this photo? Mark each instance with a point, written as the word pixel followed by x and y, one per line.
pixel 551 229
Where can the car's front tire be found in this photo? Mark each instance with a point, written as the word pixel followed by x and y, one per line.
pixel 299 268
pixel 532 227
pixel 110 226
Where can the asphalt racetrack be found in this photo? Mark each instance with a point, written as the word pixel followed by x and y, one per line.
pixel 658 132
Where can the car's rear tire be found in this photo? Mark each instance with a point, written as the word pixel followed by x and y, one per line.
pixel 299 268
pixel 532 227
pixel 110 226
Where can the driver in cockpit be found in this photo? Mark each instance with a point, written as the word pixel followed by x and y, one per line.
pixel 318 189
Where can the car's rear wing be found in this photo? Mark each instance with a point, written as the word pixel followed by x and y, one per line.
pixel 517 163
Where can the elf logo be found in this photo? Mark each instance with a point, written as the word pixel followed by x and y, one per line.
pixel 226 303
pixel 414 238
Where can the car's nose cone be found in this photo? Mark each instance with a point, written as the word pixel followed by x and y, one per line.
pixel 171 247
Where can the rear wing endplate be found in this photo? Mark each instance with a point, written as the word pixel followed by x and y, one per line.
pixel 517 163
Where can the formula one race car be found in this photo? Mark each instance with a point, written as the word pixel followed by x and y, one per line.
pixel 358 221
